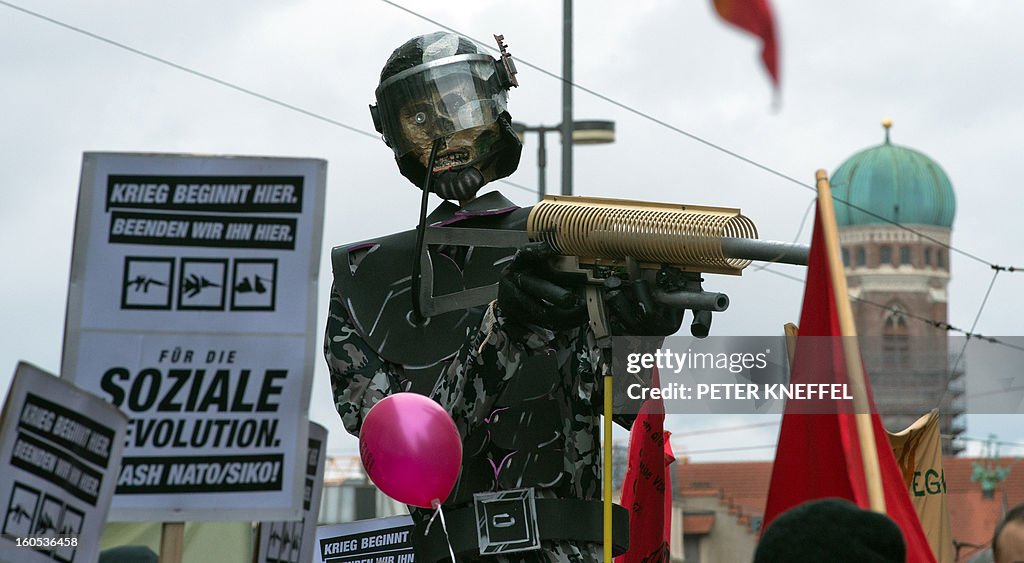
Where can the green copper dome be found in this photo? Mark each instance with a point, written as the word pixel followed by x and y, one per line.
pixel 895 183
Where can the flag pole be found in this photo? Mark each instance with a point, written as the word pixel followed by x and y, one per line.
pixel 792 332
pixel 848 330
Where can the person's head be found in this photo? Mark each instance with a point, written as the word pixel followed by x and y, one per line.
pixel 833 530
pixel 442 90
pixel 1008 539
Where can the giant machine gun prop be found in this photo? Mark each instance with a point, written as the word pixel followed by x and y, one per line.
pixel 599 239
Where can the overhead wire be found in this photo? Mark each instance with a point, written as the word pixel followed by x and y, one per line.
pixel 644 115
pixel 621 105
pixel 211 78
pixel 723 450
pixel 985 440
pixel 248 91
pixel 312 114
pixel 977 318
pixel 720 429
pixel 721 149
pixel 186 69
pixel 970 334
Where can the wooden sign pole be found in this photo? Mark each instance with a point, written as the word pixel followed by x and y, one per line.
pixel 172 542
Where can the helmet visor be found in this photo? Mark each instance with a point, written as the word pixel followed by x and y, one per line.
pixel 436 99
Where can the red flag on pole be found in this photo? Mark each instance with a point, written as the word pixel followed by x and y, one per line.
pixel 754 16
pixel 647 486
pixel 846 454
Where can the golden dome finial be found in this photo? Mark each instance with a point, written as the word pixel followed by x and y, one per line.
pixel 887 123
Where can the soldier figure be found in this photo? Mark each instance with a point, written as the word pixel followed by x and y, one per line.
pixel 519 376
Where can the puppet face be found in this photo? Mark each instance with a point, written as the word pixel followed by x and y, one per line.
pixel 457 150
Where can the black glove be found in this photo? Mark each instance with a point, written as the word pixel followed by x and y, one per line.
pixel 530 291
pixel 632 311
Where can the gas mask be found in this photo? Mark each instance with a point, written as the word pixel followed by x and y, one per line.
pixel 439 94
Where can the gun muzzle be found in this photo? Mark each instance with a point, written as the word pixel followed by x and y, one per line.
pixel 701 325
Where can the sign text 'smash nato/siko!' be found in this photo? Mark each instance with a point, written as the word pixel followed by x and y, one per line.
pixel 192 307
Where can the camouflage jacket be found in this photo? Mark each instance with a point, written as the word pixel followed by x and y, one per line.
pixel 526 401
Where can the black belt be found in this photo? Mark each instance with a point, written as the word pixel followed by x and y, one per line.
pixel 572 520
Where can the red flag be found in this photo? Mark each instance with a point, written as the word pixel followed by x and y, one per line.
pixel 647 486
pixel 819 455
pixel 754 16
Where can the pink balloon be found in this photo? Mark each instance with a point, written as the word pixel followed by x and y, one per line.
pixel 411 449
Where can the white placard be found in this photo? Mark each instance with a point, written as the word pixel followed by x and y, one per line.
pixel 60 449
pixel 378 540
pixel 192 307
pixel 294 541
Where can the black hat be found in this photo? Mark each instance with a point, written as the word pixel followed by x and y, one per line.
pixel 833 530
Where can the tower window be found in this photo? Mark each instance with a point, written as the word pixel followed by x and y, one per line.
pixel 896 337
pixel 940 259
pixel 884 255
pixel 904 255
pixel 928 257
pixel 846 257
pixel 895 319
pixel 861 256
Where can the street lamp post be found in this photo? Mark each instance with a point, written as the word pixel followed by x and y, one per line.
pixel 590 132
pixel 567 121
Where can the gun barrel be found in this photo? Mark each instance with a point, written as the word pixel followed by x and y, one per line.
pixel 694 300
pixel 765 250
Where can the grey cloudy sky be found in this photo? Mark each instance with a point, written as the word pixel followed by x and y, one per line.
pixel 948 72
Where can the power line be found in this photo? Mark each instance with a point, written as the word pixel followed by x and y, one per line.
pixel 941 325
pixel 698 138
pixel 772 446
pixel 937 324
pixel 594 93
pixel 976 318
pixel 718 430
pixel 984 440
pixel 1010 269
pixel 721 450
pixel 210 77
pixel 630 109
pixel 183 68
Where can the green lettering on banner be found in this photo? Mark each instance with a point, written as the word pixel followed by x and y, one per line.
pixel 934 483
pixel 917 492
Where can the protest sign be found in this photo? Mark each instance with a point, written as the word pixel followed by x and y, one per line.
pixel 192 307
pixel 379 540
pixel 60 449
pixel 293 541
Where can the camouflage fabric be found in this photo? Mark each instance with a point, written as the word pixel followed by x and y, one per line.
pixel 359 377
pixel 481 373
pixel 559 462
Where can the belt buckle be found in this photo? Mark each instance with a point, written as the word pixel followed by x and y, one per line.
pixel 506 521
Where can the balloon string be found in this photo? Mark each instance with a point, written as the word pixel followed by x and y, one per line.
pixel 438 512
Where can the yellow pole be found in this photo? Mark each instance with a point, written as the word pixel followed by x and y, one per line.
pixel 848 330
pixel 608 465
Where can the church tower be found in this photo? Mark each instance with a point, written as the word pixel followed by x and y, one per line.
pixel 895 237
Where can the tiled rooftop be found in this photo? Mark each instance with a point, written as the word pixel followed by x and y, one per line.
pixel 743 487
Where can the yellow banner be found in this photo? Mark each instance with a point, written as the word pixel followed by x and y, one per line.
pixel 918 451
